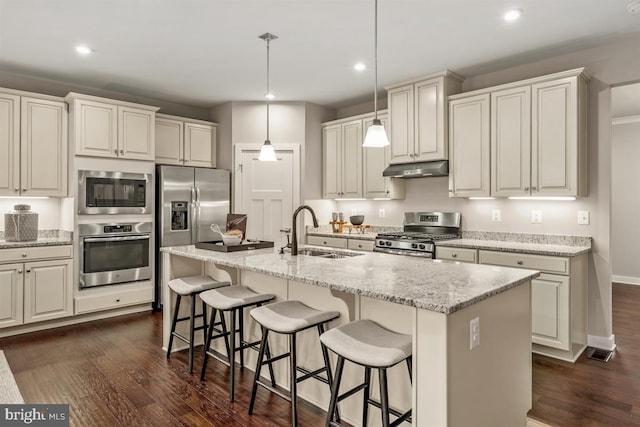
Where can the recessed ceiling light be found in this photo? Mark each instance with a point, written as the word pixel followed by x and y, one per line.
pixel 270 96
pixel 83 50
pixel 359 67
pixel 512 15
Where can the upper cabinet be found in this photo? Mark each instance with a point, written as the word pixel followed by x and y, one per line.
pixel 537 133
pixel 418 117
pixel 106 128
pixel 33 145
pixel 188 142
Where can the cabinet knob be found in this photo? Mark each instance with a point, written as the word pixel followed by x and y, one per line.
pixel 526 188
pixel 19 271
pixel 24 255
pixel 519 263
pixel 534 188
pixel 121 151
pixel 24 190
pixel 454 255
pixel 118 300
pixel 324 243
pixel 360 246
pixel 115 151
pixel 16 190
pixel 28 270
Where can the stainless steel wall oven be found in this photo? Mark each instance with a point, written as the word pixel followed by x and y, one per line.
pixel 103 192
pixel 114 253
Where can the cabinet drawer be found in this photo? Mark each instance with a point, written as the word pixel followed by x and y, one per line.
pixel 361 245
pixel 113 299
pixel 549 264
pixel 35 253
pixel 457 254
pixel 333 242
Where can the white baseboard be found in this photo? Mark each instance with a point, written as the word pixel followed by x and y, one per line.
pixel 627 280
pixel 602 342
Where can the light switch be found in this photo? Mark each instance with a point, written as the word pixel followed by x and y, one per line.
pixel 583 217
pixel 381 213
pixel 496 216
pixel 536 217
pixel 474 333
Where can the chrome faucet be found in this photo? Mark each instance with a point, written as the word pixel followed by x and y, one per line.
pixel 294 226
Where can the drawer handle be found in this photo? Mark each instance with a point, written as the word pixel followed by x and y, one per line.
pixel 454 255
pixel 324 243
pixel 24 255
pixel 359 246
pixel 118 300
pixel 519 262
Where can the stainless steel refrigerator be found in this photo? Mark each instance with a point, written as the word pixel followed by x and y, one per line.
pixel 188 201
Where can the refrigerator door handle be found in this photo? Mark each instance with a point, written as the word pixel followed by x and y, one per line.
pixel 194 215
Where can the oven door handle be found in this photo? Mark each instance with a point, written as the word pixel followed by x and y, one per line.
pixel 115 239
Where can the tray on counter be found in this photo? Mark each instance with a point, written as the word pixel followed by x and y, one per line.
pixel 244 246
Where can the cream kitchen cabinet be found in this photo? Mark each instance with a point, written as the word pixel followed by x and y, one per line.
pixel 341 243
pixel 35 284
pixel 342 159
pixel 106 128
pixel 418 117
pixel 186 142
pixel 457 254
pixel 469 167
pixel 375 161
pixel 33 144
pixel 558 300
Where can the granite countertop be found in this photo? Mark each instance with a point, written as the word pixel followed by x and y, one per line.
pixel 45 238
pixel 443 287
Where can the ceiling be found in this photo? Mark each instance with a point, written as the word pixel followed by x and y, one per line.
pixel 205 52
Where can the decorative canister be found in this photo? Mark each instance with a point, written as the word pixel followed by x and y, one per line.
pixel 21 224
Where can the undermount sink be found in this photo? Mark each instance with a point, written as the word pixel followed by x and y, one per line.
pixel 327 254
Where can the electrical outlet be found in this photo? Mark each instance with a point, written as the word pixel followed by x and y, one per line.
pixel 583 217
pixel 474 333
pixel 381 213
pixel 536 217
pixel 495 215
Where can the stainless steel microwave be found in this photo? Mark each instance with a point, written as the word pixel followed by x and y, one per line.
pixel 102 192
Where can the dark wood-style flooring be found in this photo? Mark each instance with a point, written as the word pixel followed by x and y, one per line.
pixel 113 372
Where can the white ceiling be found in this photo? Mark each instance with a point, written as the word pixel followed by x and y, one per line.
pixel 204 52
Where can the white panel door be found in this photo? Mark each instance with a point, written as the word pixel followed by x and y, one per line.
pixel 267 191
pixel 44 156
pixel 9 145
pixel 136 130
pixel 48 290
pixel 352 159
pixel 429 121
pixel 169 141
pixel 332 161
pixel 96 128
pixel 11 295
pixel 550 311
pixel 469 147
pixel 401 125
pixel 511 142
pixel 199 145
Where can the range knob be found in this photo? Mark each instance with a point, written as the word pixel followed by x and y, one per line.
pixel 387 243
pixel 414 246
pixel 421 246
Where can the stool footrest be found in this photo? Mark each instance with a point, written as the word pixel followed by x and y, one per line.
pixel 309 374
pixel 275 358
pixel 274 390
pixel 181 337
pixel 403 417
pixel 182 319
pixel 352 391
pixel 222 359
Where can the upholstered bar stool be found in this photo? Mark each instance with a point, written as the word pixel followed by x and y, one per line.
pixel 190 286
pixel 289 318
pixel 232 299
pixel 370 345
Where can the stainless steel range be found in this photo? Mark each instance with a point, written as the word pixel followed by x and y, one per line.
pixel 420 232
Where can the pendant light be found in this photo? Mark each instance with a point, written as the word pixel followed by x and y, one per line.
pixel 267 153
pixel 376 135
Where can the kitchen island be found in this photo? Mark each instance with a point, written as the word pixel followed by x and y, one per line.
pixel 453 385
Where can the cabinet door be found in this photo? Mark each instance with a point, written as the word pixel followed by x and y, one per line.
pixel 511 142
pixel 550 311
pixel 9 145
pixel 554 145
pixel 48 290
pixel 169 141
pixel 352 159
pixel 199 145
pixel 429 121
pixel 95 128
pixel 469 147
pixel 43 148
pixel 11 295
pixel 401 124
pixel 332 161
pixel 136 133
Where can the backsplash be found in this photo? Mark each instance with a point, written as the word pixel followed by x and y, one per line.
pixel 547 239
pixel 49 234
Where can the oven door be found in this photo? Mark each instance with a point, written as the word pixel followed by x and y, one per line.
pixel 110 260
pixel 113 193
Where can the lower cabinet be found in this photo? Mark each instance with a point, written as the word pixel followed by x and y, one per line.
pixel 457 254
pixel 35 291
pixel 341 243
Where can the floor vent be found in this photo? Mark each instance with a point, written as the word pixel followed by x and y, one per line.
pixel 599 354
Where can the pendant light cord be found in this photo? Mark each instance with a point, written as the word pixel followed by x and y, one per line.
pixel 375 60
pixel 268 93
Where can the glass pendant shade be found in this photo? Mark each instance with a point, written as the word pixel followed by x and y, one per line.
pixel 376 136
pixel 267 153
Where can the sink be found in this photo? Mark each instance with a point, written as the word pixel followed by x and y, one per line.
pixel 327 254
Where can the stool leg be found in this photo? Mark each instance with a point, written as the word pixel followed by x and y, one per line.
pixel 327 364
pixel 293 380
pixel 384 397
pixel 367 392
pixel 207 344
pixel 241 324
pixel 173 323
pixel 192 325
pixel 204 321
pixel 408 359
pixel 232 355
pixel 335 389
pixel 225 334
pixel 263 346
pixel 268 353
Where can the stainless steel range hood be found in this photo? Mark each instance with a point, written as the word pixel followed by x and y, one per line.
pixel 418 170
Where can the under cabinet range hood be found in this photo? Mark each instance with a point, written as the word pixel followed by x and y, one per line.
pixel 418 170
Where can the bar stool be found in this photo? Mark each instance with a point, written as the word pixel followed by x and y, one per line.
pixel 370 345
pixel 232 299
pixel 190 286
pixel 289 318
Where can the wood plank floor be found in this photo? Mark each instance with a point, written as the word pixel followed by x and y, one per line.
pixel 113 372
